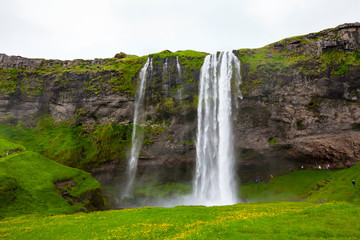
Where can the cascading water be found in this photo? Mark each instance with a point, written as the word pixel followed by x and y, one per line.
pixel 166 85
pixel 179 82
pixel 165 67
pixel 214 182
pixel 137 134
pixel 178 67
pixel 165 72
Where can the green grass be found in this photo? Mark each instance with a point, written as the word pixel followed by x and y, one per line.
pixel 70 144
pixel 185 53
pixel 74 145
pixel 307 185
pixel 278 220
pixel 27 185
pixel 326 206
pixel 6 146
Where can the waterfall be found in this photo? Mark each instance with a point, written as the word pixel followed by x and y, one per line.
pixel 165 72
pixel 179 82
pixel 214 182
pixel 178 67
pixel 165 67
pixel 137 134
pixel 166 86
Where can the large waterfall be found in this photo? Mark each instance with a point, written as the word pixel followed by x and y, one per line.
pixel 214 182
pixel 137 134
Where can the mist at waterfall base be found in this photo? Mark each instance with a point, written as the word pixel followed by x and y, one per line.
pixel 214 178
pixel 214 182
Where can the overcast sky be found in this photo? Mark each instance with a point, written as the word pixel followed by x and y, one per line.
pixel 70 29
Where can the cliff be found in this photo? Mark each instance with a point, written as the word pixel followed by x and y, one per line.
pixel 80 112
pixel 302 98
pixel 300 106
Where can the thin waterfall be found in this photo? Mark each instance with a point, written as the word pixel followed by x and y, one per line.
pixel 137 133
pixel 214 182
pixel 165 67
pixel 166 77
pixel 178 67
pixel 165 72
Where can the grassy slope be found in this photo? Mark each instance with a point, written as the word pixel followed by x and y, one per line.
pixel 27 185
pixel 6 146
pixel 279 220
pixel 275 220
pixel 308 185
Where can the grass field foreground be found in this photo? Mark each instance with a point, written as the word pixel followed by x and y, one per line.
pixel 277 220
pixel 313 185
pixel 28 184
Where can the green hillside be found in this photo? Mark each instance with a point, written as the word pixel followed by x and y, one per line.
pixel 28 185
pixel 320 211
pixel 307 185
pixel 6 147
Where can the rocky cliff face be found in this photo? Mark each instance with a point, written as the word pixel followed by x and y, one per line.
pixel 302 99
pixel 90 94
pixel 301 102
pixel 63 89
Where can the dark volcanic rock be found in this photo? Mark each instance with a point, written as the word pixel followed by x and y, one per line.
pixel 310 103
pixel 342 148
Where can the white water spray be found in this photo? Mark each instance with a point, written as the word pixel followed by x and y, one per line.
pixel 137 133
pixel 214 182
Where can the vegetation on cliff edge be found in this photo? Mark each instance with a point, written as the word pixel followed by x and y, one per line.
pixel 72 145
pixel 80 146
pixel 305 55
pixel 96 77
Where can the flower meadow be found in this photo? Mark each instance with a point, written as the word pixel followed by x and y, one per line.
pixel 275 220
